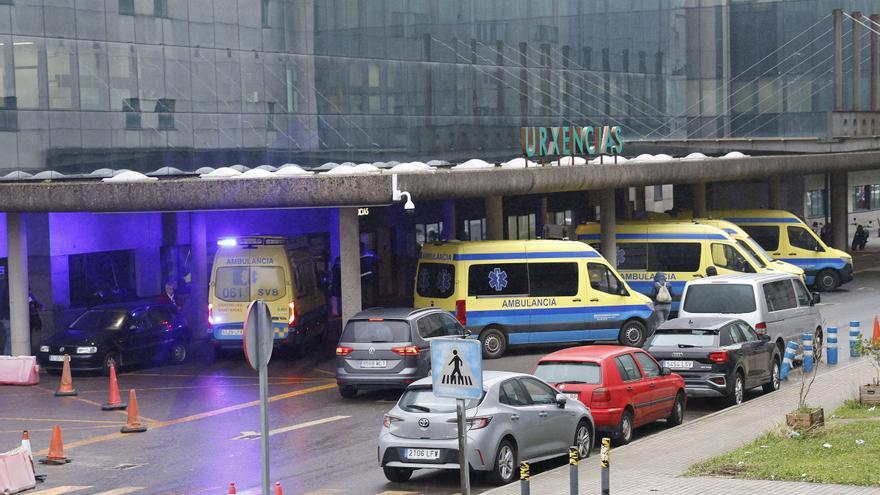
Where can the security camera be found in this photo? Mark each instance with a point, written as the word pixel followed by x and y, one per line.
pixel 397 195
pixel 409 207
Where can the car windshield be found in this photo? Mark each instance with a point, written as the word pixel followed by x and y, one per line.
pixel 100 319
pixel 684 338
pixel 719 298
pixel 751 252
pixel 757 247
pixel 376 331
pixel 423 400
pixel 561 372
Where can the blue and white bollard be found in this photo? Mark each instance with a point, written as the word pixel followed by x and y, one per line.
pixel 787 358
pixel 855 333
pixel 808 352
pixel 831 345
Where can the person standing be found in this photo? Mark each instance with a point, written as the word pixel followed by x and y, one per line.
pixel 661 293
pixel 167 296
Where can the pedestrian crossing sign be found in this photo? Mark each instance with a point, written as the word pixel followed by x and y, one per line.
pixel 457 368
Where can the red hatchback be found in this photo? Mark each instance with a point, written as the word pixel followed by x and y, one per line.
pixel 624 387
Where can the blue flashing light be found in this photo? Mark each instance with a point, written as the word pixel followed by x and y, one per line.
pixel 227 242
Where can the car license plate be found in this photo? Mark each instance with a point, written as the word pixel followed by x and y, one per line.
pixel 679 365
pixel 423 454
pixel 56 358
pixel 374 363
pixel 232 332
pixel 572 396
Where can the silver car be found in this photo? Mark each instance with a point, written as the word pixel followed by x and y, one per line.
pixel 519 418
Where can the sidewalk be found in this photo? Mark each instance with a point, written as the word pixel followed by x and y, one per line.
pixel 653 465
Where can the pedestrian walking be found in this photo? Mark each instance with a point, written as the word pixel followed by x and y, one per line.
pixel 662 296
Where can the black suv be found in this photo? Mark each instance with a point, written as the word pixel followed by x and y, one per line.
pixel 120 334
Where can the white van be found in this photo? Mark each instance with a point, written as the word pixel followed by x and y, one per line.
pixel 776 304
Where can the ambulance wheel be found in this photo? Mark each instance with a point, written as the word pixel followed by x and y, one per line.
pixel 494 343
pixel 633 333
pixel 827 280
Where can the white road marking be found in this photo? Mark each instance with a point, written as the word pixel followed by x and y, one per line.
pixel 122 491
pixel 253 435
pixel 60 490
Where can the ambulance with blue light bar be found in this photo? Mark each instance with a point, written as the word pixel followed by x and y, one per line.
pixel 264 267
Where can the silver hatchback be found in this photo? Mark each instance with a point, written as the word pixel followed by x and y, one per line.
pixel 519 418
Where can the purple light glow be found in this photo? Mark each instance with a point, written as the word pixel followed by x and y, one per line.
pixel 227 242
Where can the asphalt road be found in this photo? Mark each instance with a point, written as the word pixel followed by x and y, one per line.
pixel 200 414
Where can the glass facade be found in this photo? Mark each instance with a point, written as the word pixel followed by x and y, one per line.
pixel 140 84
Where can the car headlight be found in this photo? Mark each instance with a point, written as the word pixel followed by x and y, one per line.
pixel 86 350
pixel 44 348
pixel 650 305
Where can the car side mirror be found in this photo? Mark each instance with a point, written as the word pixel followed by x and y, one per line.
pixel 561 400
pixel 664 371
pixel 466 333
pixel 711 271
pixel 622 292
pixel 764 337
pixel 816 299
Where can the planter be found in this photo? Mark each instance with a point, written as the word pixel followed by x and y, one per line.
pixel 806 419
pixel 869 395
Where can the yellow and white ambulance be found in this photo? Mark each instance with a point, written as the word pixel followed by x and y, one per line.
pixel 525 292
pixel 264 267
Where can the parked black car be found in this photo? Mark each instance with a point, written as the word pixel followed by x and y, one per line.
pixel 717 357
pixel 122 334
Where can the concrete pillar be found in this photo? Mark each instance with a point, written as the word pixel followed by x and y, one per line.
pixel 199 286
pixel 640 207
pixel 698 190
pixel 608 225
pixel 494 218
pixel 19 316
pixel 857 61
pixel 875 59
pixel 543 218
pixel 349 262
pixel 775 196
pixel 450 222
pixel 839 200
pixel 837 17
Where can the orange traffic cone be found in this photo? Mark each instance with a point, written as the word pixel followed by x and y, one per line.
pixel 875 340
pixel 65 389
pixel 56 449
pixel 231 487
pixel 115 402
pixel 133 425
pixel 278 488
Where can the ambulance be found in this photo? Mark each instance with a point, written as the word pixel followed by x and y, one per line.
pixel 509 293
pixel 264 267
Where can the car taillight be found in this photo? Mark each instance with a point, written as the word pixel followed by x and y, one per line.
pixel 210 316
pixel 761 327
pixel 461 312
pixel 343 351
pixel 719 357
pixel 409 350
pixel 601 395
pixel 479 422
pixel 291 314
pixel 387 420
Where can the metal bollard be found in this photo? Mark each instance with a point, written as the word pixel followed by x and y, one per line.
pixel 855 333
pixel 831 345
pixel 787 359
pixel 524 478
pixel 605 460
pixel 573 457
pixel 807 340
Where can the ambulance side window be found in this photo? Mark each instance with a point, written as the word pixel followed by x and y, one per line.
pixel 603 279
pixel 498 279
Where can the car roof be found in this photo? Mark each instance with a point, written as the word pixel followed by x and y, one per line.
pixel 490 377
pixel 587 353
pixel 701 322
pixel 392 313
pixel 130 305
pixel 743 278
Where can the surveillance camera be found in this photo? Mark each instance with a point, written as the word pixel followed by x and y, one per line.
pixel 409 207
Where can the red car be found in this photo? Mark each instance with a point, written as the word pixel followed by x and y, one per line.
pixel 624 387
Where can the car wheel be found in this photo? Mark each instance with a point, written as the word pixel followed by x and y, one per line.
pixel 348 391
pixel 633 333
pixel 676 417
pixel 178 352
pixel 738 391
pixel 397 474
pixel 583 440
pixel 494 343
pixel 773 384
pixel 625 428
pixel 505 463
pixel 111 357
pixel 827 280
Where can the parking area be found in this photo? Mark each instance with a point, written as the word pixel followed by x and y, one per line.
pixel 202 416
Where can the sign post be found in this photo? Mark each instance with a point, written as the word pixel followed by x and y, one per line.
pixel 259 337
pixel 457 372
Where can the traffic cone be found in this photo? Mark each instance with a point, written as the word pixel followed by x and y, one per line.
pixel 65 389
pixel 231 487
pixel 278 490
pixel 115 402
pixel 875 340
pixel 26 442
pixel 133 425
pixel 56 449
